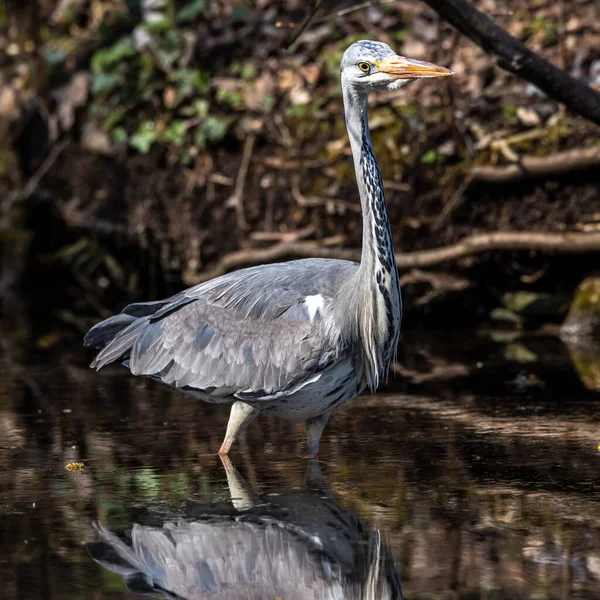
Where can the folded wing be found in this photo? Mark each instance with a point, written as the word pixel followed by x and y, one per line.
pixel 250 335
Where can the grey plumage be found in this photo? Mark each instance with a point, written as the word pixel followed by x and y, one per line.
pixel 297 338
pixel 246 335
pixel 296 544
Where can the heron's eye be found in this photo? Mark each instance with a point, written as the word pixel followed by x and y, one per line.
pixel 365 67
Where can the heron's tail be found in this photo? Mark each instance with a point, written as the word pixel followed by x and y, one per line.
pixel 103 333
pixel 115 336
pixel 117 556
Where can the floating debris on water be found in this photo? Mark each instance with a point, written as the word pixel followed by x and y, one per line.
pixel 74 466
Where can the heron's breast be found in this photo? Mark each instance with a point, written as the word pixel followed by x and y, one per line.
pixel 336 386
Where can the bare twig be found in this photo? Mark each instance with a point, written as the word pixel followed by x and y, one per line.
pixel 36 178
pixel 276 162
pixel 518 59
pixel 539 166
pixel 326 201
pixel 236 199
pixel 309 17
pixel 455 201
pixel 567 243
pixel 346 11
pixel 439 281
pixel 283 236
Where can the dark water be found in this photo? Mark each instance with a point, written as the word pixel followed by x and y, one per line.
pixel 474 474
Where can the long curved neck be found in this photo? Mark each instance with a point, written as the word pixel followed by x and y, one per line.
pixel 377 235
pixel 376 303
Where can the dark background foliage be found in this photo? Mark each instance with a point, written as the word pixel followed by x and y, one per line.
pixel 148 145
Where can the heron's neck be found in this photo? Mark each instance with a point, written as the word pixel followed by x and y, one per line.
pixel 377 290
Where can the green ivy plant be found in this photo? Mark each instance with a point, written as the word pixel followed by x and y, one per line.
pixel 147 97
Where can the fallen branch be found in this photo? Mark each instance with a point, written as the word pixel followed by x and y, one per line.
pixel 566 243
pixel 283 236
pixel 559 163
pixel 516 58
pixel 438 372
pixel 257 256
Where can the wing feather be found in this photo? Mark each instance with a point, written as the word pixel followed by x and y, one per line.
pixel 247 334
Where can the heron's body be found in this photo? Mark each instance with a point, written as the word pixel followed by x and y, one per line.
pixel 296 339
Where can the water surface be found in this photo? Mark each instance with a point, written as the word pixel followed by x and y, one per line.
pixel 474 474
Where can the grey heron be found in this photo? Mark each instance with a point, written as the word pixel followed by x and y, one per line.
pixel 297 544
pixel 295 339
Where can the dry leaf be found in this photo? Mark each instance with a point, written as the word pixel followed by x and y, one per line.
pixel 75 467
pixel 528 116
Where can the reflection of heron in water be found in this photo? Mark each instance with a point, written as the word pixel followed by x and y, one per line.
pixel 297 545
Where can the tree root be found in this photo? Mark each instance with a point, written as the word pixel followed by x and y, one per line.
pixel 566 243
pixel 526 167
pixel 559 163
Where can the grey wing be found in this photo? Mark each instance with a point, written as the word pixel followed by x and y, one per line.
pixel 220 559
pixel 248 335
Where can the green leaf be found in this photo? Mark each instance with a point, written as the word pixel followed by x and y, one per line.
pixel 233 99
pixel 248 71
pixel 191 11
pixel 105 82
pixel 429 158
pixel 214 128
pixel 104 59
pixel 198 108
pixel 55 56
pixel 159 26
pixel 537 24
pixel 119 136
pixel 400 35
pixel 191 82
pixel 114 118
pixel 200 138
pixel 144 137
pixel 297 111
pixel 175 132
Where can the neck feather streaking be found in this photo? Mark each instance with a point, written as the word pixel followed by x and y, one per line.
pixel 378 306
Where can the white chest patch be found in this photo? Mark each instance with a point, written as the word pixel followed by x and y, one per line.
pixel 313 304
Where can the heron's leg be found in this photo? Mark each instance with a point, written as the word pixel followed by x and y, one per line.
pixel 242 495
pixel 314 478
pixel 314 429
pixel 241 416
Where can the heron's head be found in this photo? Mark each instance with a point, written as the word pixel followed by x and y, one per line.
pixel 372 66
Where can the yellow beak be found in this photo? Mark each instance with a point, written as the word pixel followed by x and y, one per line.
pixel 401 67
